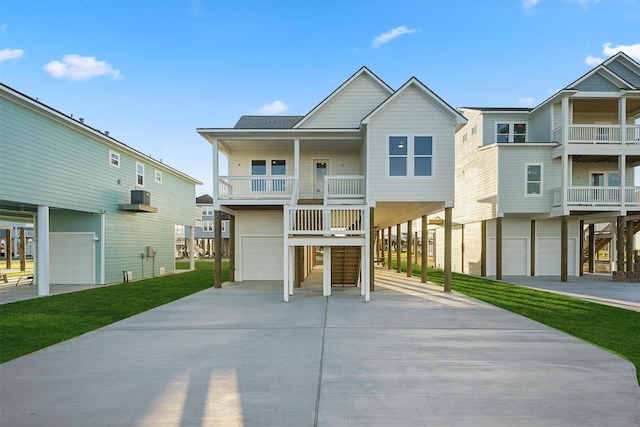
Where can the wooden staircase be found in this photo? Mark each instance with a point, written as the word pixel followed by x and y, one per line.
pixel 345 265
pixel 603 241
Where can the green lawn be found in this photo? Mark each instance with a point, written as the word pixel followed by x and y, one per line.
pixel 27 326
pixel 614 329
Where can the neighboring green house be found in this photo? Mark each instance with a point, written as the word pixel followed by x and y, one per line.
pixel 102 211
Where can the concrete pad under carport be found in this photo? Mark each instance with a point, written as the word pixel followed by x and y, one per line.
pixel 239 356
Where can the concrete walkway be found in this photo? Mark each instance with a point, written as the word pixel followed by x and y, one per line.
pixel 239 356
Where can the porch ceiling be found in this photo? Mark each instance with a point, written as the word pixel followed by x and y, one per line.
pixel 631 160
pixel 231 145
pixel 388 214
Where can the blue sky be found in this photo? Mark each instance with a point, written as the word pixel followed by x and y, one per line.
pixel 151 72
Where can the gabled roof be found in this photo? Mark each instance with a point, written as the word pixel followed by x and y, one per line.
pixel 605 71
pixel 205 199
pixel 267 122
pixel 499 109
pixel 343 87
pixel 428 93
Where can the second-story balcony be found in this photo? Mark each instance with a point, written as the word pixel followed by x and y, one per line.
pixel 599 134
pixel 257 189
pixel 598 197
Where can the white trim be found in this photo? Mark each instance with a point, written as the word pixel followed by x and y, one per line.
pixel 511 135
pixel 158 176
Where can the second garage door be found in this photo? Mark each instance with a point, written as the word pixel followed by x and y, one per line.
pixel 262 258
pixel 514 256
pixel 548 263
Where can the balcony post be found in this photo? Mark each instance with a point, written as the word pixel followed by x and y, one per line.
pixel 296 167
pixel 564 248
pixel 622 114
pixel 216 172
pixel 622 163
pixel 217 226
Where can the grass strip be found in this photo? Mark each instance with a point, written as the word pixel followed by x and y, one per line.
pixel 611 328
pixel 28 326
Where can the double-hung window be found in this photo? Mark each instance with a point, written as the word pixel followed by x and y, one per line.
pixel 114 159
pixel 534 179
pixel 411 155
pixel 511 132
pixel 139 174
pixel 207 210
pixel 207 226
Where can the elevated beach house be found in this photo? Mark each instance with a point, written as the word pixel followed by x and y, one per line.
pixel 533 183
pixel 364 159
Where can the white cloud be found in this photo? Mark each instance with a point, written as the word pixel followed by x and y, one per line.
pixel 6 54
pixel 276 107
pixel 608 50
pixel 526 102
pixel 3 27
pixel 632 50
pixel 76 67
pixel 530 4
pixel 390 35
pixel 593 60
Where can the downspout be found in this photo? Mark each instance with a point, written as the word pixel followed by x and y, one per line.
pixel 103 231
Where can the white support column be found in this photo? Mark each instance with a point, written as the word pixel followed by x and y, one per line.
pixel 622 163
pixel 42 267
pixel 622 114
pixel 192 247
pixel 292 264
pixel 103 257
pixel 285 233
pixel 565 160
pixel 296 166
pixel 326 271
pixel 366 258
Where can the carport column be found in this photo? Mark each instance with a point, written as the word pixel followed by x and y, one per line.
pixel 42 265
pixel 581 250
pixel 23 247
pixel 285 257
pixel 232 248
pixel 564 248
pixel 532 248
pixel 424 244
pixel 398 249
pixel 409 248
pixel 629 249
pixel 483 248
pixel 592 248
pixel 7 246
pixel 192 247
pixel 372 253
pixel 389 249
pixel 620 243
pixel 499 246
pixel 448 225
pixel 326 271
pixel 217 249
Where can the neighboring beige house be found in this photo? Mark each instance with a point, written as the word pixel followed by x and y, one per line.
pixel 365 159
pixel 532 183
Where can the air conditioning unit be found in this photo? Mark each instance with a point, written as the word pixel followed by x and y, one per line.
pixel 140 197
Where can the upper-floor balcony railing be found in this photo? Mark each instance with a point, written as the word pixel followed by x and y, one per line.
pixel 599 134
pixel 344 189
pixel 598 196
pixel 255 187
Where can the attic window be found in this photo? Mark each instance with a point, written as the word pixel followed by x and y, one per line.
pixel 114 159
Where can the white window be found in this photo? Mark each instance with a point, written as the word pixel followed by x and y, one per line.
pixel 139 174
pixel 410 155
pixel 207 225
pixel 158 176
pixel 258 167
pixel 278 167
pixel 207 210
pixel 534 179
pixel 511 132
pixel 114 159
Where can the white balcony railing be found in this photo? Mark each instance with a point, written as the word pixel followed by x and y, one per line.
pixel 326 220
pixel 343 188
pixel 255 187
pixel 633 134
pixel 595 134
pixel 598 196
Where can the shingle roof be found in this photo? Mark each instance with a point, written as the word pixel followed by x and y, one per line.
pixel 522 109
pixel 267 122
pixel 205 199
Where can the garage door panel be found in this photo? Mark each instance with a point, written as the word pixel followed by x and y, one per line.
pixel 71 258
pixel 262 258
pixel 548 257
pixel 514 257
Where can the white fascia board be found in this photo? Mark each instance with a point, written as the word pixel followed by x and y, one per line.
pixel 211 134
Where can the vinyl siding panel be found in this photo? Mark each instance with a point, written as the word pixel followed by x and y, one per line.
pixel 512 179
pixel 350 106
pixel 411 114
pixel 540 129
pixel 597 83
pixel 473 248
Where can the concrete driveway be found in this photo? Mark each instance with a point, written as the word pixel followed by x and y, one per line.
pixel 239 356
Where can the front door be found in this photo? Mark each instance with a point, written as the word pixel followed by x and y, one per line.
pixel 320 170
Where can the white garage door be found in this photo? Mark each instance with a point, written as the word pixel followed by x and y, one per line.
pixel 514 257
pixel 548 257
pixel 262 258
pixel 71 258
